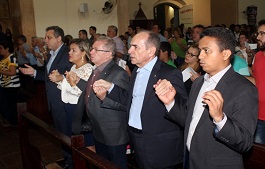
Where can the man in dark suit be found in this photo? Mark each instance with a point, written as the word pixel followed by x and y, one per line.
pixel 108 121
pixel 221 114
pixel 157 141
pixel 57 60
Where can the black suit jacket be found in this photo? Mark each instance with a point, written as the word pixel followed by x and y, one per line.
pixel 55 104
pixel 163 139
pixel 222 150
pixel 109 123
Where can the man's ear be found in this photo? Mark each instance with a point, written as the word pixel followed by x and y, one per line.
pixel 60 38
pixel 226 54
pixel 152 51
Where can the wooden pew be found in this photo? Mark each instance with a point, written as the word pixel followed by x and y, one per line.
pixel 83 157
pixel 255 157
pixel 31 158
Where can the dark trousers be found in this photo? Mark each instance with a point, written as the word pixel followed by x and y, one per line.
pixel 115 154
pixel 9 104
pixel 70 110
pixel 140 154
pixel 186 159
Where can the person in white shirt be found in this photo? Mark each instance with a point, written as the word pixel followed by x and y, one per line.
pixel 119 47
pixel 220 116
pixel 79 56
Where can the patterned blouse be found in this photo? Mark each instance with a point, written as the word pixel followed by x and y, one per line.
pixel 70 94
pixel 9 81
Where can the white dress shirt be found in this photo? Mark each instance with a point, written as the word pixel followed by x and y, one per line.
pixel 208 85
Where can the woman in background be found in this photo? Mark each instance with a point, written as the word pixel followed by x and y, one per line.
pixel 168 34
pixel 192 61
pixel 9 83
pixel 179 46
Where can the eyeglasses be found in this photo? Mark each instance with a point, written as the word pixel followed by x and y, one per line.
pixel 260 33
pixel 98 50
pixel 190 54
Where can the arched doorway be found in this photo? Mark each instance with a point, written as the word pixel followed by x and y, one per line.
pixel 166 12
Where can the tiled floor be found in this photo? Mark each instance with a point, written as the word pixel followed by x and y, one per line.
pixel 10 156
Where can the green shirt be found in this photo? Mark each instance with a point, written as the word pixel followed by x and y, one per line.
pixel 169 62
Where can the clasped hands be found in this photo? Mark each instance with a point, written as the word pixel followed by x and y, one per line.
pixel 166 93
pixel 71 77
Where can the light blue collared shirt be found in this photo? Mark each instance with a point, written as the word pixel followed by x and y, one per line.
pixel 162 38
pixel 138 94
pixel 53 56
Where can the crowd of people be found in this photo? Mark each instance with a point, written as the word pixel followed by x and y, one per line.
pixel 191 97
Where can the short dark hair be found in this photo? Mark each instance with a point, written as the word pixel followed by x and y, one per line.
pixel 23 38
pixel 94 28
pixel 133 27
pixel 224 37
pixel 199 26
pixel 83 31
pixel 244 33
pixel 165 46
pixel 9 45
pixel 158 25
pixel 57 31
pixel 152 40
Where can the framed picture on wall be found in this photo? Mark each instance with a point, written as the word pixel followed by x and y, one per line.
pixel 4 9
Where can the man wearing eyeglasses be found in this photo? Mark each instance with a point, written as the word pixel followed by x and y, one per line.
pixel 107 118
pixel 258 70
pixel 57 60
pixel 156 140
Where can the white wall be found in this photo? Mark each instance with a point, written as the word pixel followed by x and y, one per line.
pixel 201 9
pixel 65 13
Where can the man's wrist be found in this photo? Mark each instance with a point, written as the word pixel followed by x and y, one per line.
pixel 170 105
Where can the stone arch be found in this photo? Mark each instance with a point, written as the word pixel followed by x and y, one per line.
pixel 178 3
pixel 175 4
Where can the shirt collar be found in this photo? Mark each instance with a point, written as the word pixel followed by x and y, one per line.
pixel 102 66
pixel 149 66
pixel 115 37
pixel 216 78
pixel 54 53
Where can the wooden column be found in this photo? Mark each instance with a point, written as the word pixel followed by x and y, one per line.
pixel 23 18
pixel 123 16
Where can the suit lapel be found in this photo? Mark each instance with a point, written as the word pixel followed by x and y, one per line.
pixel 221 87
pixel 192 100
pixel 152 80
pixel 106 70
